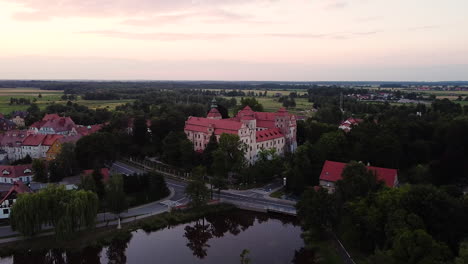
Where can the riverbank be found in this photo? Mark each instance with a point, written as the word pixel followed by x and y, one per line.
pixel 103 236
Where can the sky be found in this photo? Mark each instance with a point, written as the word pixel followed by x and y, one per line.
pixel 277 40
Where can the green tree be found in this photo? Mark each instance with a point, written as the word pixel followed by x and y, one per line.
pixel 172 148
pixel 56 172
pixel 157 185
pixel 66 211
pixel 28 214
pixel 230 155
pixel 357 181
pixel 252 103
pixel 462 254
pixel 196 190
pixel 140 131
pixel 116 199
pixel 330 114
pixel 317 209
pixel 207 157
pixel 95 150
pixel 244 257
pixel 418 247
pixel 40 170
pixel 66 158
pixel 87 183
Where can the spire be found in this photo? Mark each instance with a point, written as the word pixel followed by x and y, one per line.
pixel 214 104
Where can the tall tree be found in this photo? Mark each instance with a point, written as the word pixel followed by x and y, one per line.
pixel 40 170
pixel 95 150
pixel 252 103
pixel 196 190
pixel 140 131
pixel 207 157
pixel 116 200
pixel 66 158
pixel 357 181
pixel 230 155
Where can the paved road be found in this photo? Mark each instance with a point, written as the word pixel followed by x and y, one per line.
pixel 256 198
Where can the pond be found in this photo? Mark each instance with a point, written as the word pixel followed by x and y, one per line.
pixel 214 239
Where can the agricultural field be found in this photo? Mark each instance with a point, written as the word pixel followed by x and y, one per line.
pixel 48 97
pixel 271 104
pixel 270 93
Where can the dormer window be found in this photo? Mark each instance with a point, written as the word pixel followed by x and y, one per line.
pixel 5 172
pixel 27 171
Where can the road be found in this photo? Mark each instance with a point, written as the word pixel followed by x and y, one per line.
pixel 254 198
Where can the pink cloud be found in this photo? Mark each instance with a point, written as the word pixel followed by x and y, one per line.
pixel 92 8
pixel 165 36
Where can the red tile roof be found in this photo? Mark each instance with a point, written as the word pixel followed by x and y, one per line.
pixel 201 124
pixel 34 140
pixel 332 171
pixel 60 124
pixel 268 134
pixel 38 124
pixel 13 138
pixel 71 139
pixel 104 171
pixel 214 113
pixel 87 130
pixel 50 139
pixel 10 171
pixel 48 117
pixel 18 187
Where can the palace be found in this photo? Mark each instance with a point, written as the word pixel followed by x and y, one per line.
pixel 258 130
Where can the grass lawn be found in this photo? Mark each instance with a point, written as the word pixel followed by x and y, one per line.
pixel 277 194
pixel 48 97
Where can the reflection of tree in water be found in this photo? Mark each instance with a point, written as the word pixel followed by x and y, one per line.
pixel 198 236
pixel 117 248
pixel 89 255
pixel 30 257
pixel 220 224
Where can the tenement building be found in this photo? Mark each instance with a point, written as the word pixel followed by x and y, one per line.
pixel 258 130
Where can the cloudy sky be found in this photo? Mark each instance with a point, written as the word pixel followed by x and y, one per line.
pixel 300 40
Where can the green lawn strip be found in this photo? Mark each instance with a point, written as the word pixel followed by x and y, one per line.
pixel 277 194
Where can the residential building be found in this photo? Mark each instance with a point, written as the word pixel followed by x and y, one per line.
pixel 9 198
pixel 258 130
pixel 349 123
pixel 87 130
pixel 56 146
pixel 332 171
pixel 11 174
pixel 6 124
pixel 54 124
pixel 18 117
pixel 11 143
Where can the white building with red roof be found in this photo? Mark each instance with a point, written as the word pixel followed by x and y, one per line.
pixel 348 124
pixel 332 171
pixel 11 174
pixel 257 130
pixel 11 143
pixel 54 124
pixel 7 199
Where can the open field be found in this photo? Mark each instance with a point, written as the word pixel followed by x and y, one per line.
pixel 271 104
pixel 48 97
pixel 270 93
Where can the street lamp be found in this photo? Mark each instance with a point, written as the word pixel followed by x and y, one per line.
pixel 284 181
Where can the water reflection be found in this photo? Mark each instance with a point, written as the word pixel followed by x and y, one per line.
pixel 222 237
